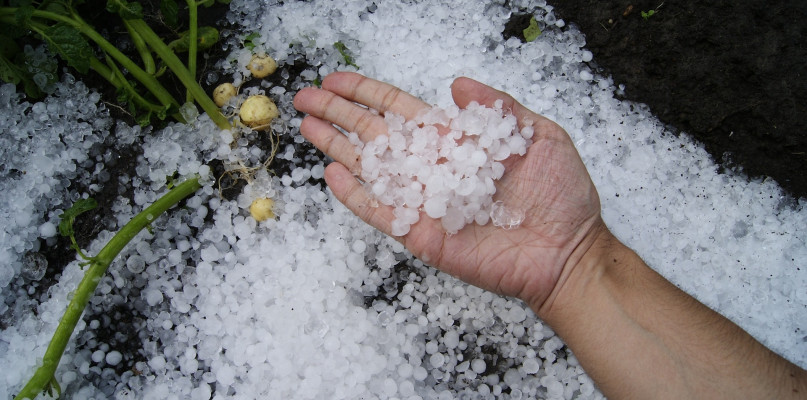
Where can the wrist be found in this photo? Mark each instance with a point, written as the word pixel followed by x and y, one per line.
pixel 585 268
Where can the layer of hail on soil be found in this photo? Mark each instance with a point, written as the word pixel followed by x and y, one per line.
pixel 316 304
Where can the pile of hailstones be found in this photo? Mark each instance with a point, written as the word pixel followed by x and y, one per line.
pixel 443 162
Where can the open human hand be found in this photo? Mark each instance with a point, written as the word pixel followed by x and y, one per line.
pixel 549 183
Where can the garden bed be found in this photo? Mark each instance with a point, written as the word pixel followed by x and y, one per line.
pixel 316 304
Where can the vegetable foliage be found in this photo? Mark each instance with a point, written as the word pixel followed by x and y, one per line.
pixel 77 43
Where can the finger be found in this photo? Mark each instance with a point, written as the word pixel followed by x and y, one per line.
pixel 374 94
pixel 352 194
pixel 332 142
pixel 331 107
pixel 425 236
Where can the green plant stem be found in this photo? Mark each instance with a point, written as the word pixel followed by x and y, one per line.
pixel 176 66
pixel 142 49
pixel 44 375
pixel 113 75
pixel 146 79
pixel 120 82
pixel 105 72
pixel 192 45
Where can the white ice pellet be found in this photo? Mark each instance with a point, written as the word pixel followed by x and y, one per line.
pixel 531 366
pixel 435 207
pixel 453 220
pixel 419 373
pixel 451 339
pixel 157 363
pixel 554 388
pixel 153 297
pixel 432 347
pixel 478 366
pixel 113 357
pixel 403 166
pixel 517 314
pixel 317 171
pixel 390 387
pixel 135 264
pixel 98 356
pixel 504 216
pixel 210 254
pixel 202 392
pixel 48 229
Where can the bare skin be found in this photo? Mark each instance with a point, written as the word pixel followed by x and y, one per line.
pixel 635 333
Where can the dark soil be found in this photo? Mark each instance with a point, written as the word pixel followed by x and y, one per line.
pixel 730 73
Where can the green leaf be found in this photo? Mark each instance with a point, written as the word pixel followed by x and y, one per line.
pixel 206 3
pixel 23 14
pixel 17 68
pixel 170 11
pixel 58 7
pixel 32 90
pixel 69 216
pixel 171 180
pixel 144 119
pixel 66 41
pixel 10 72
pixel 206 37
pixel 8 47
pixel 125 9
pixel 53 389
pixel 248 40
pixel 163 113
pixel 533 31
pixel 345 53
pixel 122 95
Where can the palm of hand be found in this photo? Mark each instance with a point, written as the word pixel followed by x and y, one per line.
pixel 549 184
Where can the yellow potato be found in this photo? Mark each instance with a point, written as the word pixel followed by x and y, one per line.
pixel 262 209
pixel 262 65
pixel 258 111
pixel 223 93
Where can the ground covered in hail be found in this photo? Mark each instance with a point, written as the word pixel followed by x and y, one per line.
pixel 209 303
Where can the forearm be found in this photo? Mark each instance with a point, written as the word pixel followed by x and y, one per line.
pixel 639 336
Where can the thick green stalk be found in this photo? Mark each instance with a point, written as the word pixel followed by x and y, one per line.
pixel 149 81
pixel 181 72
pixel 43 377
pixel 105 72
pixel 115 77
pixel 120 82
pixel 142 49
pixel 192 37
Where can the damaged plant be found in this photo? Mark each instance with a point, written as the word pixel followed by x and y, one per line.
pixel 43 379
pixel 58 24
